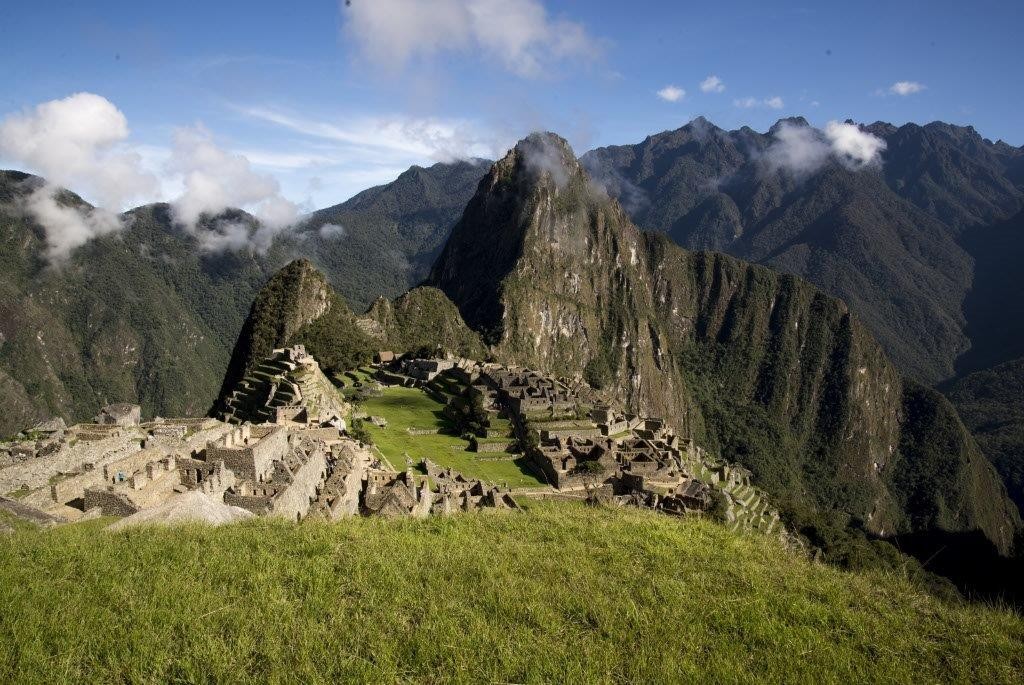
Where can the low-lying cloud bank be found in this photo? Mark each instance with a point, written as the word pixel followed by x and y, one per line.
pixel 81 142
pixel 802 150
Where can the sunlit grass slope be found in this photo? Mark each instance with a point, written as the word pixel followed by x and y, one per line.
pixel 558 593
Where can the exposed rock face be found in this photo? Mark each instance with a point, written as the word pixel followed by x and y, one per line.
pixel 190 507
pixel 779 375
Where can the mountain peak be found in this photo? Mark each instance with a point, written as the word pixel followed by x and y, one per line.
pixel 541 155
pixel 788 121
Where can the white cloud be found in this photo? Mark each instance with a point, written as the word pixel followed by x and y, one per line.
pixel 67 227
pixel 77 142
pixel 906 87
pixel 712 84
pixel 671 93
pixel 215 180
pixel 330 231
pixel 518 34
pixel 797 149
pixel 855 148
pixel 803 150
pixel 774 102
pixel 395 136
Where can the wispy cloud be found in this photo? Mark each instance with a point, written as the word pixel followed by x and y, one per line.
pixel 517 34
pixel 906 88
pixel 82 142
pixel 671 93
pixel 422 138
pixel 712 84
pixel 774 102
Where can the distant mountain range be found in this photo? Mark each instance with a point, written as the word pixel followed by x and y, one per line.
pixel 923 250
pixel 898 242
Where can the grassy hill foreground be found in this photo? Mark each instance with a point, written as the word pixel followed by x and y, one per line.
pixel 557 593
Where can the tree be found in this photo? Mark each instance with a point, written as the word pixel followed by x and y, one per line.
pixel 359 432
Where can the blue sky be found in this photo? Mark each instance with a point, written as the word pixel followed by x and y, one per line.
pixel 328 99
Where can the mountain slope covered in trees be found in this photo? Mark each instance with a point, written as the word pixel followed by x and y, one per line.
pixel 138 316
pixel 897 241
pixel 760 366
pixel 382 241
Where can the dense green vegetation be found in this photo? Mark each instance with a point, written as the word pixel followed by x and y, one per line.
pixel 912 246
pixel 991 403
pixel 425 322
pixel 558 593
pixel 335 340
pixel 406 408
pixel 386 237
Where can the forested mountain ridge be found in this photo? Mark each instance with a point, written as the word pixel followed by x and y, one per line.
pixel 761 366
pixel 146 315
pixel 382 241
pixel 142 315
pixel 886 239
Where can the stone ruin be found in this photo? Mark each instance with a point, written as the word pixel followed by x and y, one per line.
pixel 294 466
pixel 286 386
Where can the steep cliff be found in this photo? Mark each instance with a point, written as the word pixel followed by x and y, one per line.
pixel 760 365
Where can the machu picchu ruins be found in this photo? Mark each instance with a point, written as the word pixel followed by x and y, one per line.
pixel 284 445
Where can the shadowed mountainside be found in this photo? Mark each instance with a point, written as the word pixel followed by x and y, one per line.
pixel 886 240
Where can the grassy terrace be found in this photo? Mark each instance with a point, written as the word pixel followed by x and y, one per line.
pixel 409 407
pixel 558 593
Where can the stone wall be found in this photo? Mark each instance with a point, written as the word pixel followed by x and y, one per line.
pixel 592 432
pixel 251 455
pixel 294 501
pixel 73 487
pixel 127 466
pixel 110 503
pixel 255 503
pixel 494 446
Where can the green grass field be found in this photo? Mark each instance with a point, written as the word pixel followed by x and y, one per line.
pixel 409 407
pixel 557 593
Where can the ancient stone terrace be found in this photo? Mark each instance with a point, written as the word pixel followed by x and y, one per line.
pixel 286 386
